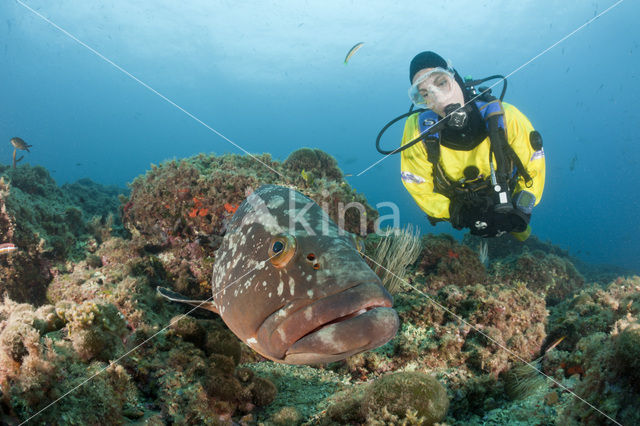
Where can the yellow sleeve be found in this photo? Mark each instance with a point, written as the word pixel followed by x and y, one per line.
pixel 518 132
pixel 417 176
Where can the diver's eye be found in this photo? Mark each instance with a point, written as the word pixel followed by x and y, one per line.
pixel 281 250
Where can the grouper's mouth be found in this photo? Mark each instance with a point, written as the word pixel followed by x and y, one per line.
pixel 332 328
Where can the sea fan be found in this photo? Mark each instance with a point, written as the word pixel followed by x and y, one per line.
pixel 398 249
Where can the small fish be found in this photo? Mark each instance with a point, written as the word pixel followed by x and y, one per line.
pixel 293 286
pixel 18 143
pixel 353 51
pixel 554 344
pixel 7 248
pixel 572 165
pixel 304 175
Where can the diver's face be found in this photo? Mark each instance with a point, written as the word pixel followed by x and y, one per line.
pixel 438 88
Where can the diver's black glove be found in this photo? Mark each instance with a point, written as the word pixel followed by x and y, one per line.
pixel 463 213
pixel 494 223
pixel 482 219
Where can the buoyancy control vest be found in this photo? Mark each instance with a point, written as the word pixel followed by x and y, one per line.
pixel 509 165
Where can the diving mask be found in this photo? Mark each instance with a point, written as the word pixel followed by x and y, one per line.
pixel 435 89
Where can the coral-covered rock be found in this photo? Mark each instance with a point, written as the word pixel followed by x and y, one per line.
pixel 593 310
pixel 510 317
pixel 601 351
pixel 180 209
pixel 47 225
pixel 627 354
pixel 95 329
pixel 24 273
pixel 547 274
pixel 195 198
pixel 38 366
pixel 444 261
pixel 508 245
pixel 402 393
pixel 98 202
pixel 287 416
pixel 315 163
pixel 189 330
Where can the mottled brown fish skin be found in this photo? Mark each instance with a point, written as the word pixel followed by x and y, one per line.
pixel 323 305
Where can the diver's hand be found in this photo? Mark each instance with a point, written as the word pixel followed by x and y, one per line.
pixel 494 224
pixel 465 213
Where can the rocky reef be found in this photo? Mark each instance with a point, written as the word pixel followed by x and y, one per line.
pixel 181 207
pixel 84 339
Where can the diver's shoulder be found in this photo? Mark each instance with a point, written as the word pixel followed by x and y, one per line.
pixel 512 112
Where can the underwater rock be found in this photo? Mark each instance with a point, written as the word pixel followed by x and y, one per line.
pixel 189 330
pixel 179 201
pixel 316 163
pixel 627 354
pixel 552 276
pixel 287 416
pixel 600 352
pixel 45 224
pixel 95 329
pixel 44 366
pixel 24 273
pixel 444 261
pixel 592 310
pixel 503 316
pixel 96 200
pixel 401 393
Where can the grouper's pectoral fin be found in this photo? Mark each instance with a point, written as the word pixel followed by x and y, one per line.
pixel 177 297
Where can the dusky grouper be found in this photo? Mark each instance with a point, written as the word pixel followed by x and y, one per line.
pixel 293 286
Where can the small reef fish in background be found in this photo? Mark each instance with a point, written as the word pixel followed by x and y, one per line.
pixel 18 143
pixel 293 286
pixel 7 248
pixel 353 51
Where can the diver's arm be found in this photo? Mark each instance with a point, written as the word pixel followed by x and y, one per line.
pixel 519 133
pixel 417 175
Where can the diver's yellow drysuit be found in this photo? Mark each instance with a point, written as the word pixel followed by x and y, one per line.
pixel 417 171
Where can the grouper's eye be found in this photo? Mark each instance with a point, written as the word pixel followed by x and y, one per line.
pixel 281 250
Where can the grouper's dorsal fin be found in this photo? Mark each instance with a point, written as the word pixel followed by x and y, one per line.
pixel 177 297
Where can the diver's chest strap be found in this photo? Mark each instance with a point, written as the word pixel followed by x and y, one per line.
pixel 508 163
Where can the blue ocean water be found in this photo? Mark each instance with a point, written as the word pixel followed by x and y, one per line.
pixel 75 82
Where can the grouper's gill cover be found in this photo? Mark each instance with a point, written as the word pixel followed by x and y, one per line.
pixel 315 301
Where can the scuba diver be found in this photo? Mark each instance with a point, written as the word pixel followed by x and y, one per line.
pixel 467 157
